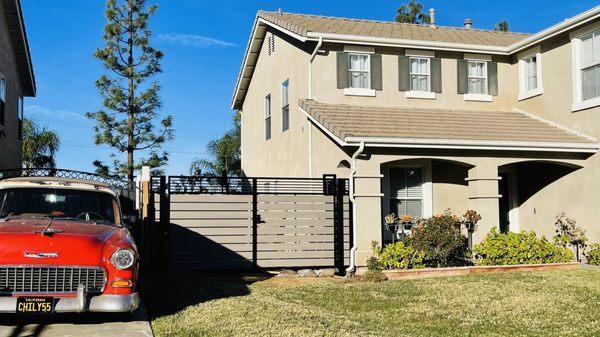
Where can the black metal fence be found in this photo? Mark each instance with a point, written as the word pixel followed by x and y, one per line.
pixel 238 222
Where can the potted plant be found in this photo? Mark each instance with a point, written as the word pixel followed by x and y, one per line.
pixel 391 224
pixel 407 221
pixel 470 220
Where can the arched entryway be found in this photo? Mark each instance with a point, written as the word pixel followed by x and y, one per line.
pixel 523 189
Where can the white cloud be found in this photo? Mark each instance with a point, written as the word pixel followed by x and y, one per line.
pixel 40 110
pixel 190 40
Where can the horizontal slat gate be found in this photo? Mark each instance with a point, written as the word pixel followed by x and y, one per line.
pixel 255 226
pixel 211 231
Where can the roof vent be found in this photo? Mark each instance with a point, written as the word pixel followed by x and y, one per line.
pixel 432 18
pixel 279 11
pixel 468 23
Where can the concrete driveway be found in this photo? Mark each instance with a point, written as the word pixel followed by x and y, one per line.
pixel 72 325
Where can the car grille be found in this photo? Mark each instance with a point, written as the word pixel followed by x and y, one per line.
pixel 50 279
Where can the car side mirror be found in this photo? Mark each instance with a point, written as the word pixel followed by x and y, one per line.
pixel 129 221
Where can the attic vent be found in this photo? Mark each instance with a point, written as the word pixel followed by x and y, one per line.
pixel 271 43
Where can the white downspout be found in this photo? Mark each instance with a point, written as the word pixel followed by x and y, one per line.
pixel 310 96
pixel 353 200
pixel 312 58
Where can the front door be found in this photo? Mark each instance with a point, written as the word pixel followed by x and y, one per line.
pixel 503 190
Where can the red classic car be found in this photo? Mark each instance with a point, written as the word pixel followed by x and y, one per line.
pixel 64 248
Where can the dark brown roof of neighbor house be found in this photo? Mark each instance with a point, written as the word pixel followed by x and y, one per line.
pixel 443 124
pixel 302 24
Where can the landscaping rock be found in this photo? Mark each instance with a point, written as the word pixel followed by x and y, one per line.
pixel 326 272
pixel 306 273
pixel 287 273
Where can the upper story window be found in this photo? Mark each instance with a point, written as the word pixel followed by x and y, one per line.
pixel 590 66
pixel 477 77
pixel 530 74
pixel 359 67
pixel 285 105
pixel 419 74
pixel 359 71
pixel 586 70
pixel 2 98
pixel 268 117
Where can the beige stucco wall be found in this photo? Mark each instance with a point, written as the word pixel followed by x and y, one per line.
pixel 10 146
pixel 307 151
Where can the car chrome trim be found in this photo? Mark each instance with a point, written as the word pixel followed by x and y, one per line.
pixel 101 303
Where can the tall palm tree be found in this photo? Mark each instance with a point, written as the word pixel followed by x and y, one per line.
pixel 39 145
pixel 412 13
pixel 225 157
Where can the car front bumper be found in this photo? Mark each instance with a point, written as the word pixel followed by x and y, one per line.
pixel 82 303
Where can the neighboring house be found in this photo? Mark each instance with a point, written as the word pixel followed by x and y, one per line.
pixel 16 81
pixel 426 118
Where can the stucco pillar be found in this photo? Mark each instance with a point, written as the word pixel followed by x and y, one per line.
pixel 367 194
pixel 484 198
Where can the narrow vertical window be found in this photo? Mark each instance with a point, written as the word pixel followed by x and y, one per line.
pixel 285 105
pixel 419 74
pixel 268 117
pixel 2 98
pixel 531 75
pixel 359 69
pixel 590 66
pixel 477 77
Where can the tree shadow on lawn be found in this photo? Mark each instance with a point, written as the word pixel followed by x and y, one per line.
pixel 166 292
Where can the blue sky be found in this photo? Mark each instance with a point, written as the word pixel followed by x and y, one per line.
pixel 203 42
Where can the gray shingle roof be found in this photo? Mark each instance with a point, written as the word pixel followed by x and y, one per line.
pixel 302 24
pixel 444 124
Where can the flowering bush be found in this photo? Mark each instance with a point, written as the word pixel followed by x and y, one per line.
pixel 518 248
pixel 440 241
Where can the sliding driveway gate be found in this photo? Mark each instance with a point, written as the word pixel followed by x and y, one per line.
pixel 234 223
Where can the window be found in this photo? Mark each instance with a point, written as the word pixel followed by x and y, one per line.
pixel 419 74
pixel 20 119
pixel 590 66
pixel 477 80
pixel 359 68
pixel 268 117
pixel 530 75
pixel 2 98
pixel 285 105
pixel 406 192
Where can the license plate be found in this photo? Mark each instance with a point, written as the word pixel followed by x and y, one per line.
pixel 35 305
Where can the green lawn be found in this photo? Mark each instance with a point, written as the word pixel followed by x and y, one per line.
pixel 557 303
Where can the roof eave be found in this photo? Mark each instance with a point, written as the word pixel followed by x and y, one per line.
pixel 557 29
pixel 460 144
pixel 29 88
pixel 403 43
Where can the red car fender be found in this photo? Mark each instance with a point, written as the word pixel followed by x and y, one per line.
pixel 119 240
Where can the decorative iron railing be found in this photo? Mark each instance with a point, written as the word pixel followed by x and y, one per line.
pixel 62 173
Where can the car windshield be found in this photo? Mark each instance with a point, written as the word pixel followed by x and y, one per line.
pixel 88 206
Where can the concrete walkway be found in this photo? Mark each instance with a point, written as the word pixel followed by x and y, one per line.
pixel 73 325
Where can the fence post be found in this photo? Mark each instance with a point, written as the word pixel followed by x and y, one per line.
pixel 165 221
pixel 338 225
pixel 148 215
pixel 255 221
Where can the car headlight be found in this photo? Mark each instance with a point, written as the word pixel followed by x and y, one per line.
pixel 123 259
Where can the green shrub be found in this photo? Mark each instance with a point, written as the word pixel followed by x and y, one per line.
pixel 399 256
pixel 519 248
pixel 440 241
pixel 593 254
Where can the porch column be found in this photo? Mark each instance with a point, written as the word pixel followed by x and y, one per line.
pixel 484 198
pixel 368 196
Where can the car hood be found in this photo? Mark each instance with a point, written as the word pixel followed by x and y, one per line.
pixel 74 243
